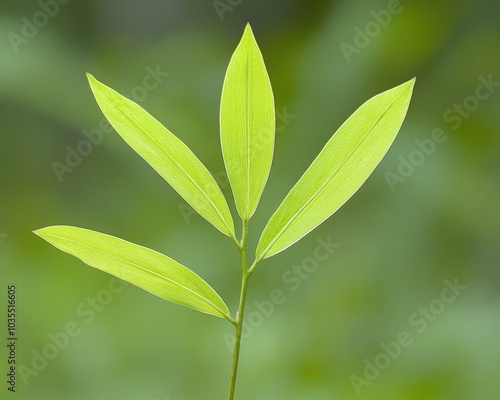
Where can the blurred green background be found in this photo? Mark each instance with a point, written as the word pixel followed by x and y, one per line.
pixel 421 219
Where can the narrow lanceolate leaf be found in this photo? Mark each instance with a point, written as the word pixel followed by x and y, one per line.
pixel 339 170
pixel 247 123
pixel 169 156
pixel 145 268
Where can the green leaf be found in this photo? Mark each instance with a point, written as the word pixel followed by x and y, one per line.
pixel 339 170
pixel 145 268
pixel 247 123
pixel 169 156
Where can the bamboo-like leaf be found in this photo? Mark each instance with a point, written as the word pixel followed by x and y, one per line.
pixel 339 170
pixel 143 267
pixel 247 123
pixel 168 155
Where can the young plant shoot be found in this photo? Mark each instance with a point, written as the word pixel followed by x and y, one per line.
pixel 247 134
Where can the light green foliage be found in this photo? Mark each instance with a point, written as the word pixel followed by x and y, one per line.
pixel 170 157
pixel 145 268
pixel 247 124
pixel 247 136
pixel 339 170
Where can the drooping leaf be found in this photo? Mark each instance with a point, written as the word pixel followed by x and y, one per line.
pixel 168 155
pixel 247 123
pixel 143 267
pixel 339 170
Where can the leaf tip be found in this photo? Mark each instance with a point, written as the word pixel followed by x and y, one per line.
pixel 45 232
pixel 406 87
pixel 248 33
pixel 40 232
pixel 93 82
pixel 90 77
pixel 411 83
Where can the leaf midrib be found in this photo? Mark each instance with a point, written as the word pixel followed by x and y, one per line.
pixel 327 182
pixel 249 155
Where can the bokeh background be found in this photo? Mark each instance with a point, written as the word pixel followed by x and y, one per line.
pixel 397 242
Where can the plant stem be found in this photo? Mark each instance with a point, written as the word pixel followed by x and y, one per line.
pixel 241 309
pixel 237 343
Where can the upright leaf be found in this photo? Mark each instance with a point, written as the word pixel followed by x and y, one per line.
pixel 145 268
pixel 247 122
pixel 339 170
pixel 168 155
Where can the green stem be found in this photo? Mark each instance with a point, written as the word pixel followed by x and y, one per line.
pixel 241 309
pixel 237 343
